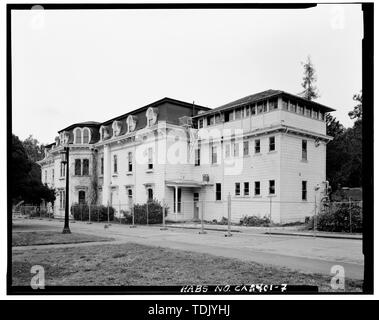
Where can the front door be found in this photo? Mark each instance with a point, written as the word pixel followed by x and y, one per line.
pixel 196 206
pixel 82 197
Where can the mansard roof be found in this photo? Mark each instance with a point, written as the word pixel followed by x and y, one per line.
pixel 81 125
pixel 260 96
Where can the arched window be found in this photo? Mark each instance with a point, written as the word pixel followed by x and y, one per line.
pixel 78 136
pixel 85 135
pixel 116 127
pixel 131 122
pixel 151 117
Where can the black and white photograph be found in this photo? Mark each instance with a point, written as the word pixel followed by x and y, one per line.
pixel 190 149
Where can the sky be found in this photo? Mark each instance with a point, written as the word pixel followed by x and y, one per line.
pixel 70 66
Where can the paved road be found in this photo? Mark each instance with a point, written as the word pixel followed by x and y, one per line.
pixel 308 255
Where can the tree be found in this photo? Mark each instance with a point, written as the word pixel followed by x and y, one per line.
pixel 25 176
pixel 33 148
pixel 310 91
pixel 357 112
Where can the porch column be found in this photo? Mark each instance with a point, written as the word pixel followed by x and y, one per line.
pixel 106 174
pixel 176 199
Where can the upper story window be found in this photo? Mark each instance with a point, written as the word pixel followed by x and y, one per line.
pixel 116 127
pixel 130 161
pixel 45 176
pixel 321 116
pixel 201 123
pixel 197 156
pixel 292 106
pixel 131 121
pixel 78 136
pixel 237 114
pixel 102 166
pixel 210 120
pixel 246 188
pixel 257 146
pixel 260 108
pixel 151 116
pixel 273 104
pixel 307 112
pixel 304 149
pixel 272 144
pixel 150 164
pixel 314 114
pixel 86 135
pixel 237 189
pixel 217 118
pixel 81 167
pixel 218 191
pixel 246 148
pixel 304 190
pixel 257 188
pixel 285 104
pixel 247 111
pixel 300 109
pixel 253 110
pixel 63 170
pixel 115 163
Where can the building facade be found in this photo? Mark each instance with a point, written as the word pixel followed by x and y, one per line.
pixel 266 152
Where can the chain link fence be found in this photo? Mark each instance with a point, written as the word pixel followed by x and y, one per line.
pixel 342 216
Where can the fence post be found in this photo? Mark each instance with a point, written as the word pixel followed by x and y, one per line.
pixel 350 227
pixel 132 210
pixel 163 217
pixel 147 212
pixel 119 211
pixel 229 234
pixel 89 214
pixel 108 213
pixel 202 231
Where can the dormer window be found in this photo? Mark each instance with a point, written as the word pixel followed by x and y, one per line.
pixel 86 134
pixel 131 121
pixel 151 117
pixel 78 136
pixel 116 127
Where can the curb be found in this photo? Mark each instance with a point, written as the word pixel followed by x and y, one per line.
pixel 312 235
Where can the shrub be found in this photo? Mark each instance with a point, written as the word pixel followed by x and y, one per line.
pixel 336 218
pixel 140 213
pixel 98 212
pixel 255 221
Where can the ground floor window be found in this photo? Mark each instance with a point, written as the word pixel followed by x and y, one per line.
pixel 62 199
pixel 271 189
pixel 304 190
pixel 218 191
pixel 178 205
pixel 82 197
pixel 237 189
pixel 150 195
pixel 246 188
pixel 257 188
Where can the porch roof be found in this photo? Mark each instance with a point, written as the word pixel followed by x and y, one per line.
pixel 184 183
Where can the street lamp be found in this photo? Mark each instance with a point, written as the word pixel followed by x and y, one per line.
pixel 65 161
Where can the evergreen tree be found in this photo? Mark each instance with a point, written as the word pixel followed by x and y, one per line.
pixel 310 91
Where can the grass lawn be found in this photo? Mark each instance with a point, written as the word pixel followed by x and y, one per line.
pixel 51 237
pixel 133 264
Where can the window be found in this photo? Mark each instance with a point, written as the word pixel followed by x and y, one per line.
pixel 115 163
pixel 178 205
pixel 257 188
pixel 307 112
pixel 78 136
pixel 300 109
pixel 150 159
pixel 78 167
pixel 237 189
pixel 292 106
pixel 265 106
pixel 85 135
pixel 62 199
pixel 304 149
pixel 272 144
pixel 151 116
pixel 131 122
pixel 236 149
pixel 237 114
pixel 247 111
pixel 226 116
pixel 63 170
pixel 102 166
pixel 321 116
pixel 210 120
pixel 81 197
pixel 197 157
pixel 201 123
pixel 253 110
pixel 218 191
pixel 257 146
pixel 227 150
pixel 271 188
pixel 85 167
pixel 214 154
pixel 304 190
pixel 217 118
pixel 246 188
pixel 116 127
pixel 285 104
pixel 130 161
pixel 150 195
pixel 130 194
pixel 314 114
pixel 246 148
pixel 260 108
pixel 45 176
pixel 273 104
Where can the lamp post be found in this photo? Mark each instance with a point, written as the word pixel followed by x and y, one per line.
pixel 65 161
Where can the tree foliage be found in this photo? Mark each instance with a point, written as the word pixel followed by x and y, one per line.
pixel 25 177
pixel 33 148
pixel 310 91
